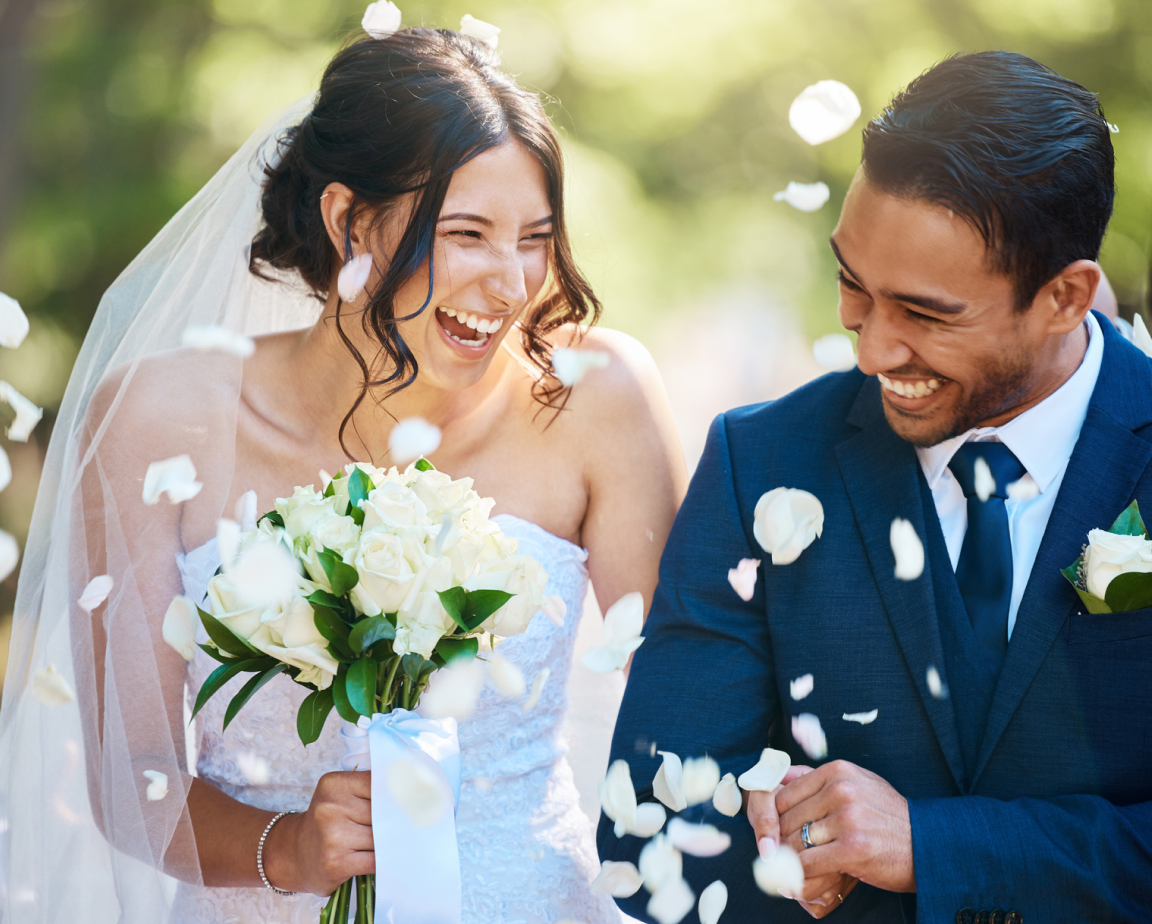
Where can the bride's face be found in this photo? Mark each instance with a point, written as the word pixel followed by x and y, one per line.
pixel 490 261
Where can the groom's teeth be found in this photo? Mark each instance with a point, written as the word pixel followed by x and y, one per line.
pixel 918 389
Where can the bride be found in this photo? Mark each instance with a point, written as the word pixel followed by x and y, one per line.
pixel 419 152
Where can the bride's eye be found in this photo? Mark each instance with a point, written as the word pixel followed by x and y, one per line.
pixel 474 235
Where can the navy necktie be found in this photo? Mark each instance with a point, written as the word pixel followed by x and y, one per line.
pixel 984 572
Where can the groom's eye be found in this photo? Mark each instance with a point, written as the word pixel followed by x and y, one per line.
pixel 846 282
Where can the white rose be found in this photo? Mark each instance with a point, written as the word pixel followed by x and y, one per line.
pixel 340 534
pixel 385 573
pixel 381 19
pixel 225 604
pixel 787 520
pixel 303 510
pixel 441 495
pixel 519 575
pixel 422 625
pixel 1110 555
pixel 288 633
pixel 395 507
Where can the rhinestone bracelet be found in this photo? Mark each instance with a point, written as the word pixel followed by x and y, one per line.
pixel 260 854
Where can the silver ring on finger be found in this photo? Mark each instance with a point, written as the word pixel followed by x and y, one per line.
pixel 805 839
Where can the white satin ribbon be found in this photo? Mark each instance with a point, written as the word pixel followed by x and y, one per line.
pixel 417 866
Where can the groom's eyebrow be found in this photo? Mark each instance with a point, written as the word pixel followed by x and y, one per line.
pixel 844 263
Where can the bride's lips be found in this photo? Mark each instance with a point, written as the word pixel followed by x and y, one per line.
pixel 454 329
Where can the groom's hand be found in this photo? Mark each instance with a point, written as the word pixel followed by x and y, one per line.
pixel 761 810
pixel 857 820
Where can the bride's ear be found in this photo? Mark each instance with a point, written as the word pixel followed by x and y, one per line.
pixel 334 206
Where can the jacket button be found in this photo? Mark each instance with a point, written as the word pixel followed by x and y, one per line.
pixel 965 916
pixel 982 917
pixel 1014 917
pixel 997 917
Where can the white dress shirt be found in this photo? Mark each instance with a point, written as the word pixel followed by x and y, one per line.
pixel 1042 438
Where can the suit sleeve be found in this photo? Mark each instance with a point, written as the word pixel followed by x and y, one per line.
pixel 702 682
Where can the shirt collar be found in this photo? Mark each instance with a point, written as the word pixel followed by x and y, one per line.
pixel 1043 437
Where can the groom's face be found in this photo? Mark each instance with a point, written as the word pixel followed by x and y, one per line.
pixel 936 322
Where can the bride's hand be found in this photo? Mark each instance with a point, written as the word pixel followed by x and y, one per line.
pixel 330 843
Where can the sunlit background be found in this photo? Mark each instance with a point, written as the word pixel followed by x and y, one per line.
pixel 675 121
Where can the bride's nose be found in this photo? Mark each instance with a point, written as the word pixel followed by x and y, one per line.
pixel 505 280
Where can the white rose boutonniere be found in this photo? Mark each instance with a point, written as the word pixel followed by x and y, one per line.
pixel 1114 572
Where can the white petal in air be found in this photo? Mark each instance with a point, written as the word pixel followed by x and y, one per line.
pixel 864 718
pixel 264 574
pixel 537 688
pixel 982 479
pixel 620 880
pixel 571 365
pixel 698 840
pixel 27 413
pixel 801 687
pixel 417 790
pixel 698 779
pixel 727 799
pixel 1140 335
pixel 713 901
pixel 175 477
pixel 617 797
pixel 936 686
pixel 743 578
pixel 823 111
pixel 650 818
pixel 779 874
pixel 478 29
pixel 555 609
pixel 381 19
pixel 660 863
pixel 666 783
pixel 506 677
pixel 1023 490
pixel 245 511
pixel 254 767
pixel 809 735
pixel 835 352
pixel 1114 129
pixel 13 322
pixel 454 690
pixel 671 904
pixel 96 592
pixel 413 438
pixel 213 337
pixel 9 554
pixel 907 549
pixel 50 687
pixel 179 628
pixel 354 276
pixel 623 623
pixel 5 470
pixel 157 785
pixel 768 772
pixel 786 521
pixel 807 197
pixel 227 541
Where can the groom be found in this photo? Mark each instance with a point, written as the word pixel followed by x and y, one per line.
pixel 1007 774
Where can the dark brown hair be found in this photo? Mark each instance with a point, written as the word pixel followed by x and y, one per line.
pixel 396 116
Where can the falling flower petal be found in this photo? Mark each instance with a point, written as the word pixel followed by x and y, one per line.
pixel 213 337
pixel 864 718
pixel 13 322
pixel 227 541
pixel 807 197
pixel 480 30
pixel 9 554
pixel 907 548
pixel 1023 490
pixel 713 901
pixel 743 578
pixel 1114 129
pixel 264 574
pixel 666 783
pixel 27 413
pixel 779 874
pixel 672 902
pixel 823 111
pixel 801 687
pixel 768 772
pixel 381 19
pixel 617 797
pixel 650 818
pixel 555 609
pixel 698 840
pixel 835 352
pixel 245 511
pixel 179 628
pixel 254 767
pixel 620 880
pixel 506 677
pixel 175 476
pixel 936 686
pixel 538 682
pixel 413 438
pixel 727 799
pixel 96 592
pixel 660 863
pixel 698 779
pixel 786 522
pixel 623 623
pixel 982 479
pixel 1140 335
pixel 809 735
pixel 50 687
pixel 354 276
pixel 454 690
pixel 5 470
pixel 157 785
pixel 416 788
pixel 571 365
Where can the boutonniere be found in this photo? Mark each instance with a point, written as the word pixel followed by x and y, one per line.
pixel 1114 572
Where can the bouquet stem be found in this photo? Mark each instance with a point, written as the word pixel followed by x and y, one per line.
pixel 340 902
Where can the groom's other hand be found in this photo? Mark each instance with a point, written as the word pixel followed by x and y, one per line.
pixel 857 821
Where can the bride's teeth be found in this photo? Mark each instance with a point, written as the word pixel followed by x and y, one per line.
pixel 484 326
pixel 495 325
pixel 472 321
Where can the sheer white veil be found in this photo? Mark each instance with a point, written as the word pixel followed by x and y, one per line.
pixel 79 838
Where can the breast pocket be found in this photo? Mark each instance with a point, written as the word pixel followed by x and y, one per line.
pixel 1089 628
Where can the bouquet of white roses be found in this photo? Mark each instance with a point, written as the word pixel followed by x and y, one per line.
pixel 360 593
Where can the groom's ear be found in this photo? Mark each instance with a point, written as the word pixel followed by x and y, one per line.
pixel 1066 298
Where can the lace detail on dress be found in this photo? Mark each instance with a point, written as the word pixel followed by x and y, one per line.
pixel 526 851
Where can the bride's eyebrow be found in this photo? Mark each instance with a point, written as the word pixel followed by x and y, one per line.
pixel 487 222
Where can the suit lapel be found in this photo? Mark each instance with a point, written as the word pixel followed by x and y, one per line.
pixel 881 475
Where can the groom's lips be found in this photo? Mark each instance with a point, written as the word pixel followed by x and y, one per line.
pixel 911 393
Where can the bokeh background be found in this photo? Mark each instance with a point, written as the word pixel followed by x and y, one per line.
pixel 674 115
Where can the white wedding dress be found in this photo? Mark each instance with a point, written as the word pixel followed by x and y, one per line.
pixel 526 849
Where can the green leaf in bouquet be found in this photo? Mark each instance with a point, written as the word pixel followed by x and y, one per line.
pixel 340 698
pixel 482 604
pixel 360 685
pixel 454 600
pixel 272 517
pixel 223 674
pixel 411 664
pixel 423 465
pixel 332 627
pixel 225 638
pixel 1129 591
pixel 426 668
pixel 312 715
pixel 368 631
pixel 1130 523
pixel 450 648
pixel 324 598
pixel 246 691
pixel 359 487
pixel 342 577
pixel 216 653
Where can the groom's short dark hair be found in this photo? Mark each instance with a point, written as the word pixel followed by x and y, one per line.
pixel 1018 151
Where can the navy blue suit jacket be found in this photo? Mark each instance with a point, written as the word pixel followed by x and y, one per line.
pixel 1053 818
